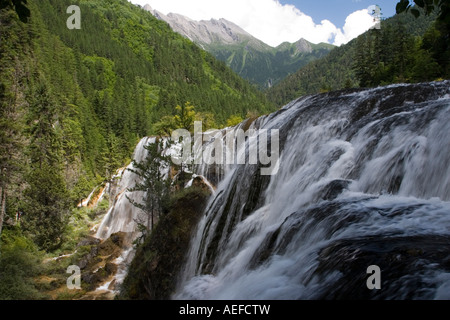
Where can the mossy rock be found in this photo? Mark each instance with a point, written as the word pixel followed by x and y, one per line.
pixel 153 272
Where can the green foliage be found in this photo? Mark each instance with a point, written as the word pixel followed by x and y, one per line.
pixel 80 222
pixel 428 7
pixel 12 70
pixel 207 119
pixel 45 142
pixel 435 50
pixel 46 207
pixel 165 126
pixel 392 55
pixel 234 120
pixel 20 6
pixel 185 116
pixel 20 263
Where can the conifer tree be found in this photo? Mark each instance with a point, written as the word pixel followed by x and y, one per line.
pixel 47 201
pixel 154 182
pixel 185 117
pixel 11 103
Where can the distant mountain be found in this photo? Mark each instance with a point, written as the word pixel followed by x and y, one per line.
pixel 249 57
pixel 205 32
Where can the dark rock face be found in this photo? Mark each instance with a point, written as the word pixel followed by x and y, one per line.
pixel 91 278
pixel 334 189
pixel 88 241
pixel 404 262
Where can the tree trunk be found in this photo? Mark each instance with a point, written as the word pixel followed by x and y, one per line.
pixel 153 213
pixel 3 207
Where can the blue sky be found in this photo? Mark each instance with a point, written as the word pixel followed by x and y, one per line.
pixel 337 10
pixel 276 21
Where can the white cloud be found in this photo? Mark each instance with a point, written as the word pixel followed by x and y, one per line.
pixel 356 23
pixel 267 20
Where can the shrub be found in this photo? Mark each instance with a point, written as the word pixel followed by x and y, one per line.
pixel 20 263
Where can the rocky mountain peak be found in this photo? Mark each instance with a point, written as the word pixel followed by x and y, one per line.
pixel 303 45
pixel 203 32
pixel 148 8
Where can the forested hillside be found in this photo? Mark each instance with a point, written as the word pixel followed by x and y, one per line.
pixel 405 49
pixel 267 66
pixel 74 103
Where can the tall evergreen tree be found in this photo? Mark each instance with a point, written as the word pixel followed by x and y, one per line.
pixel 46 207
pixel 12 79
pixel 47 201
pixel 154 182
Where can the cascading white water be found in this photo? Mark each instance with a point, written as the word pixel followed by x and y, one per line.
pixel 364 180
pixel 122 215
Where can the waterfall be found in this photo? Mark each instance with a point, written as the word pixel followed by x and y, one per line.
pixel 364 179
pixel 122 215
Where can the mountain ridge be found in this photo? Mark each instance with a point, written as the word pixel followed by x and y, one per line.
pixel 203 32
pixel 248 56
